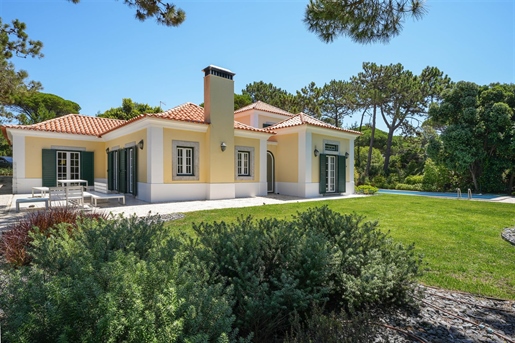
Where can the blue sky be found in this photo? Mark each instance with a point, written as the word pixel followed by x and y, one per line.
pixel 96 53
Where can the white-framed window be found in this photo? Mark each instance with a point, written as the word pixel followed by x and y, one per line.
pixel 185 160
pixel 243 163
pixel 68 165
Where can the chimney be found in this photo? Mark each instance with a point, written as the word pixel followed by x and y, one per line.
pixel 218 93
pixel 219 113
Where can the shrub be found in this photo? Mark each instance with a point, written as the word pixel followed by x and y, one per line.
pixel 278 268
pixel 15 240
pixel 6 171
pixel 366 189
pixel 274 268
pixel 369 270
pixel 379 181
pixel 414 179
pixel 408 187
pixel 106 281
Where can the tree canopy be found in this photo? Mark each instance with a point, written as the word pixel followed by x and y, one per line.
pixel 478 134
pixel 129 110
pixel 364 21
pixel 37 107
pixel 165 13
pixel 14 41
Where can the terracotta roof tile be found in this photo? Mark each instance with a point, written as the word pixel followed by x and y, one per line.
pixel 185 112
pixel 74 124
pixel 263 106
pixel 304 119
pixel 241 126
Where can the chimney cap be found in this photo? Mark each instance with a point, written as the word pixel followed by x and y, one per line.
pixel 218 71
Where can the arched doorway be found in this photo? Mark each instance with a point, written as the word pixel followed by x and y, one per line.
pixel 270 172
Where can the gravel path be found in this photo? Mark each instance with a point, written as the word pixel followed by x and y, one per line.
pixel 448 316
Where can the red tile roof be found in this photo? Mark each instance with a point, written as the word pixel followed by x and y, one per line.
pixel 95 126
pixel 304 119
pixel 73 123
pixel 263 106
pixel 241 126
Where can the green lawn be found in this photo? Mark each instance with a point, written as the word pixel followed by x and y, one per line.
pixel 460 239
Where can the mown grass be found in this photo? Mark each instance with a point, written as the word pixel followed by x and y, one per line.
pixel 460 240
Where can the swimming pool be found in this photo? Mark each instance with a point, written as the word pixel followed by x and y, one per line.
pixel 438 194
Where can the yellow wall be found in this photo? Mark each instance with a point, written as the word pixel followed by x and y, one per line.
pixel 133 137
pixel 170 135
pixel 219 110
pixel 286 158
pixel 249 142
pixel 33 155
pixel 318 142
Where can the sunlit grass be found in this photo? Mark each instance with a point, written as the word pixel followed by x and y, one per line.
pixel 460 240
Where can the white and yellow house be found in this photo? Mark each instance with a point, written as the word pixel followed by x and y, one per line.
pixel 190 152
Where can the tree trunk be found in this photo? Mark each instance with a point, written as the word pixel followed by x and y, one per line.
pixel 510 183
pixel 474 179
pixel 388 151
pixel 372 133
pixel 359 141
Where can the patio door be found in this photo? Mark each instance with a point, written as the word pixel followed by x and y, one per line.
pixel 66 165
pixel 332 174
pixel 122 170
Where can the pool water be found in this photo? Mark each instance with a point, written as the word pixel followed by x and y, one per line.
pixel 438 194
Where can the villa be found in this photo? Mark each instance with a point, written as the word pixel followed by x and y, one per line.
pixel 189 152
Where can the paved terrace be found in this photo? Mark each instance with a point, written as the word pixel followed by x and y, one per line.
pixel 141 208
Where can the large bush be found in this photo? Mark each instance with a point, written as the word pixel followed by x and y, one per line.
pixel 274 268
pixel 279 268
pixel 107 282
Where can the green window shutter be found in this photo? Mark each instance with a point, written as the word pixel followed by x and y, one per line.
pixel 110 174
pixel 49 165
pixel 87 167
pixel 342 171
pixel 135 169
pixel 322 185
pixel 122 179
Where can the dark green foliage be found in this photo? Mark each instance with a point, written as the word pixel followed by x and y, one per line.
pixel 369 270
pixel 364 21
pixel 278 268
pixel 164 13
pixel 36 107
pixel 16 239
pixel 14 41
pixel 477 136
pixel 274 268
pixel 107 281
pixel 129 110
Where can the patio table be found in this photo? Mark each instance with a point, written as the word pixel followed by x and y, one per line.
pixel 66 183
pixel 43 190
